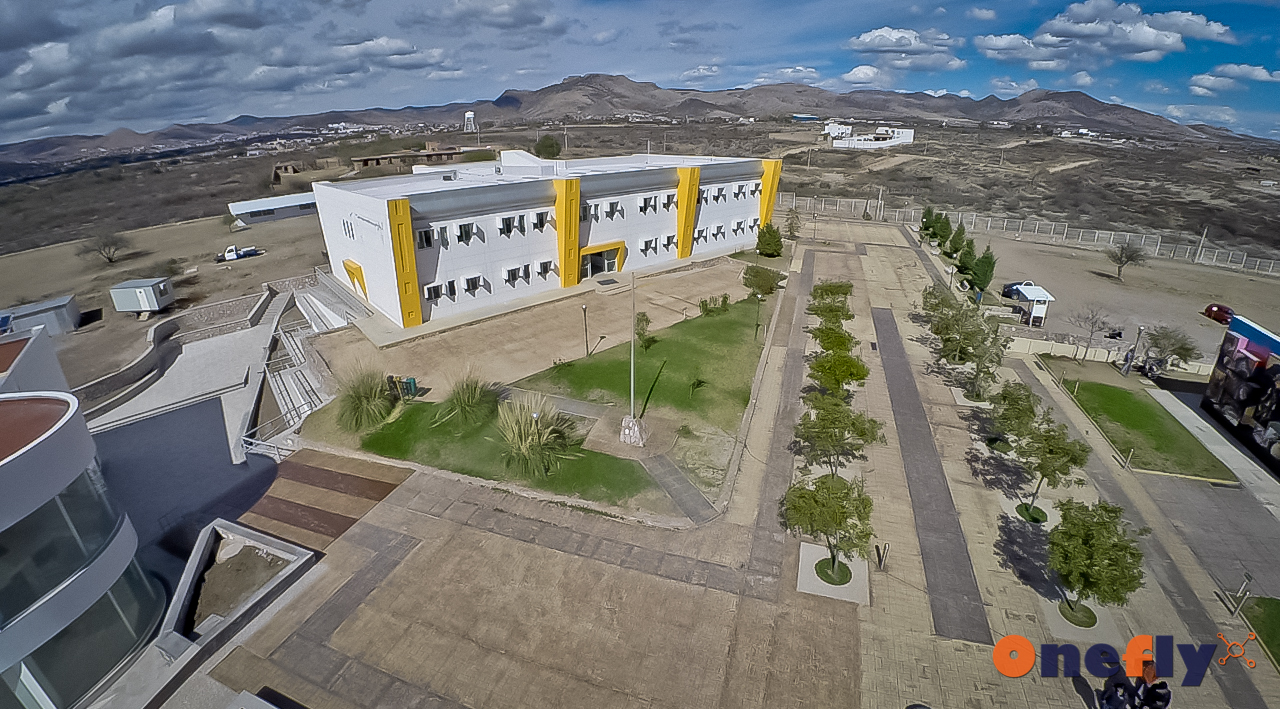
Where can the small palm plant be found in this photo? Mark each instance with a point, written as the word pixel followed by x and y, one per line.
pixel 538 437
pixel 472 400
pixel 364 401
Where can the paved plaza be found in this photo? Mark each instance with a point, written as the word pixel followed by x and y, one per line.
pixel 451 593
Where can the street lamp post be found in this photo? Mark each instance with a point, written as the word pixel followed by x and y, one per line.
pixel 586 343
pixel 1133 353
pixel 759 300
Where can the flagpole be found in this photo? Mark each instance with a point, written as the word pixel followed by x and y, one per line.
pixel 633 345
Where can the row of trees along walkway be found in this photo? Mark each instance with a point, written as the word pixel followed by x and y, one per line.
pixel 831 436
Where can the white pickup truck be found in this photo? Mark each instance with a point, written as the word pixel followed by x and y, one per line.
pixel 232 253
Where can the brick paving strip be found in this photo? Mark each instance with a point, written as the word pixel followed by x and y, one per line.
pixel 688 498
pixel 334 480
pixel 954 598
pixel 1236 685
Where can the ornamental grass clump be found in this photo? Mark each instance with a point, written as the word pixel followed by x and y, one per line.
pixel 364 400
pixel 471 400
pixel 537 437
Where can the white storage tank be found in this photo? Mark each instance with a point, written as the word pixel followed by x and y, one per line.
pixel 142 295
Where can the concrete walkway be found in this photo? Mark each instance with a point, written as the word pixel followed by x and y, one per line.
pixel 954 597
pixel 1165 551
pixel 1255 478
pixel 687 497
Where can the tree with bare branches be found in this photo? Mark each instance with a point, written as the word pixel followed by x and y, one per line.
pixel 1125 255
pixel 108 246
pixel 1093 319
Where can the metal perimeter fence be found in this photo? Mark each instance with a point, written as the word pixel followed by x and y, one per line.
pixel 1176 247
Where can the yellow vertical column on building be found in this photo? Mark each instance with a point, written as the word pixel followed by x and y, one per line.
pixel 568 203
pixel 686 209
pixel 769 188
pixel 406 260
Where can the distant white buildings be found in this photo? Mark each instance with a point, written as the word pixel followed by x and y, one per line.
pixel 883 137
pixel 442 242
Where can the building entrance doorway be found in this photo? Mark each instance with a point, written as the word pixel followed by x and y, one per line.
pixel 601 262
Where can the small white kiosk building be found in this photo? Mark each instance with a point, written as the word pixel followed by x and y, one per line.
pixel 1037 300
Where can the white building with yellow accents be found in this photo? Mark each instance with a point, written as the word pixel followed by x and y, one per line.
pixel 442 242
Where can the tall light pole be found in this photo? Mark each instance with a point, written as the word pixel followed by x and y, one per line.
pixel 633 344
pixel 759 300
pixel 586 344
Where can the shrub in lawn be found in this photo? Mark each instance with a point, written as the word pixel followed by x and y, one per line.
pixel 761 280
pixel 537 437
pixel 471 400
pixel 832 338
pixel 364 401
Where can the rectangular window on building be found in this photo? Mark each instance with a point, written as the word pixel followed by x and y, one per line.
pixel 307 206
pixel 433 292
pixel 755 224
pixel 508 226
pixel 590 212
pixel 718 232
pixel 424 238
pixel 670 242
pixel 520 224
pixel 513 275
pixel 702 196
pixel 261 213
pixel 349 229
pixel 740 226
pixel 700 236
pixel 544 268
pixel 450 289
pixel 739 191
pixel 524 272
pixel 614 211
pixel 755 188
pixel 540 221
pixel 722 195
pixel 473 284
pixel 650 246
pixel 670 202
pixel 465 231
pixel 442 235
pixel 648 204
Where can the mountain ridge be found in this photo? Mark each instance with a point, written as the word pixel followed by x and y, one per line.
pixel 593 96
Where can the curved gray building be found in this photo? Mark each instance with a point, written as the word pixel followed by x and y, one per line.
pixel 74 604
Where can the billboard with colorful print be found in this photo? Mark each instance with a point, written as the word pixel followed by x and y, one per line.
pixel 1244 388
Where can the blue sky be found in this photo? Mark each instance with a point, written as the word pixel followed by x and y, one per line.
pixel 90 66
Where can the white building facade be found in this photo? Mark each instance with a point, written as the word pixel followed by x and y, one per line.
pixel 442 242
pixel 884 137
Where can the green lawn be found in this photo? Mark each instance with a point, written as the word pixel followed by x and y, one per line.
pixel 477 451
pixel 1132 419
pixel 1264 615
pixel 715 349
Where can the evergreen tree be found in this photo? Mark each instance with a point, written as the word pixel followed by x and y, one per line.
pixel 956 240
pixel 983 271
pixel 769 241
pixel 968 256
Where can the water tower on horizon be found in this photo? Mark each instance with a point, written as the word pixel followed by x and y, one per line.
pixel 469 121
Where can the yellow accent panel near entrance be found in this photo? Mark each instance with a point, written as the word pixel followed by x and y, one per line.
pixel 406 259
pixel 621 246
pixel 686 209
pixel 769 188
pixel 568 201
pixel 356 275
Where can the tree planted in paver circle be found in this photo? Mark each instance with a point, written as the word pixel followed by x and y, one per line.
pixel 792 225
pixel 364 400
pixel 537 437
pixel 1014 409
pixel 834 370
pixel 769 241
pixel 833 436
pixel 1095 552
pixel 988 355
pixel 1168 347
pixel 1125 255
pixel 1093 319
pixel 1052 457
pixel 836 512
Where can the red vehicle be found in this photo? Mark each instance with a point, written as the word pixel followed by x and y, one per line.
pixel 1219 313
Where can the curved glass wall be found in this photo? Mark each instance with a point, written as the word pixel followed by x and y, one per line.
pixel 55 541
pixel 67 666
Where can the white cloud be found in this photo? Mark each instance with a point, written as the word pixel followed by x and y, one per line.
pixel 867 76
pixel 981 13
pixel 605 37
pixel 1081 79
pixel 1208 114
pixel 1246 71
pixel 936 92
pixel 701 72
pixel 1201 91
pixel 787 75
pixel 1006 87
pixel 909 50
pixel 1097 32
pixel 1155 86
pixel 1213 83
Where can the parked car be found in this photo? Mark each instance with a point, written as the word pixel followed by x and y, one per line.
pixel 1220 313
pixel 232 253
pixel 1008 292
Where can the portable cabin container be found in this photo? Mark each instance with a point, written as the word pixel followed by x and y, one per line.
pixel 143 295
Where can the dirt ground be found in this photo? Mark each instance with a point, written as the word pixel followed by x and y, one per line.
pixel 293 248
pixel 1160 292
